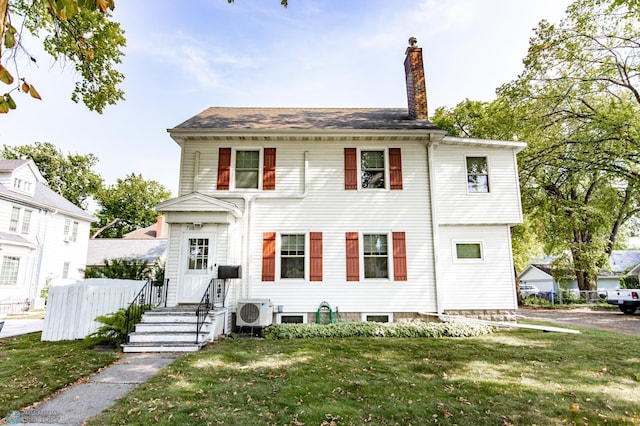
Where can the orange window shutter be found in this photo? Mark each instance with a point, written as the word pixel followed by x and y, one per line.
pixel 353 257
pixel 269 169
pixel 224 168
pixel 269 256
pixel 315 256
pixel 395 168
pixel 399 257
pixel 350 169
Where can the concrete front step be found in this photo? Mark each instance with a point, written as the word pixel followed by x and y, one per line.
pixel 162 347
pixel 171 327
pixel 165 336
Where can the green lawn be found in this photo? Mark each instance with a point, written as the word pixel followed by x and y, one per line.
pixel 509 378
pixel 31 370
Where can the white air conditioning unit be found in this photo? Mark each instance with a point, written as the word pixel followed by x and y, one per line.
pixel 254 313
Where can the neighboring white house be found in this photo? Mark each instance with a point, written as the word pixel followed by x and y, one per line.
pixel 621 263
pixel 43 236
pixel 374 211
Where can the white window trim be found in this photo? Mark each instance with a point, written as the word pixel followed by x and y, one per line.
pixel 466 175
pixel 386 167
pixel 454 251
pixel 390 271
pixel 304 316
pixel 366 314
pixel 18 221
pixel 232 177
pixel 279 257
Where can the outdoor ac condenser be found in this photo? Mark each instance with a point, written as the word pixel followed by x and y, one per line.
pixel 254 313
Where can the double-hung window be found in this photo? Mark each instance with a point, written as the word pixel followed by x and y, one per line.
pixel 26 221
pixel 376 255
pixel 477 175
pixel 292 255
pixel 70 230
pixel 15 218
pixel 9 270
pixel 372 169
pixel 247 170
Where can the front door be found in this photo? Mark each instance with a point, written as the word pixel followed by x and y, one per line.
pixel 196 266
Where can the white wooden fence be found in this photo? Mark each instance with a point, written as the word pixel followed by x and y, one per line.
pixel 72 309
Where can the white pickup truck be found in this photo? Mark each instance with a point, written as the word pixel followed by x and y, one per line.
pixel 628 300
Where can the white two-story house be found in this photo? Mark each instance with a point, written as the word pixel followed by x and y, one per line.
pixel 43 236
pixel 374 211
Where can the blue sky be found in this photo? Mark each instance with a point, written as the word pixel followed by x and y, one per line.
pixel 182 57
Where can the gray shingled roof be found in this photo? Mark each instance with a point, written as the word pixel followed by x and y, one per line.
pixel 11 165
pixel 120 248
pixel 222 118
pixel 46 197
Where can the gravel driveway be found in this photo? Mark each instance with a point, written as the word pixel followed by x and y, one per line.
pixel 609 320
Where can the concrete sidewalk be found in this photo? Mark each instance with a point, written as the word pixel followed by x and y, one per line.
pixel 77 403
pixel 16 327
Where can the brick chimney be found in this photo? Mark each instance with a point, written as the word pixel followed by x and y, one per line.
pixel 160 227
pixel 416 89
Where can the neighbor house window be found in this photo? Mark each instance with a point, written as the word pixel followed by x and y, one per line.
pixel 9 271
pixel 15 218
pixel 65 270
pixel 247 169
pixel 477 174
pixel 292 256
pixel 376 256
pixel 468 251
pixel 26 221
pixel 70 230
pixel 372 170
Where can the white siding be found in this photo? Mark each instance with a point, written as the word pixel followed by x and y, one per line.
pixel 455 206
pixel 332 210
pixel 488 283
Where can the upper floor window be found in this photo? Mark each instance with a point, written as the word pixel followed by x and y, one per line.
pixel 17 183
pixel 70 230
pixel 26 221
pixel 9 270
pixel 65 270
pixel 15 219
pixel 477 174
pixel 376 168
pixel 247 172
pixel 372 169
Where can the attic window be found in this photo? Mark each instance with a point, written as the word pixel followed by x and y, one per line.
pixel 17 183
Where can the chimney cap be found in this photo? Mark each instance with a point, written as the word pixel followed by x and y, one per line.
pixel 413 42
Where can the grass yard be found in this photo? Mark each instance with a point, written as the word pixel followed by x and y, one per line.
pixel 31 370
pixel 508 378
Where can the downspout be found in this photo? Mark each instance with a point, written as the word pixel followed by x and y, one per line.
pixel 196 174
pixel 249 204
pixel 434 227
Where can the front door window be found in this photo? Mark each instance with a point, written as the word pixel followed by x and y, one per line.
pixel 198 254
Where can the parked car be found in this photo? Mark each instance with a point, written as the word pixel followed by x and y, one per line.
pixel 528 290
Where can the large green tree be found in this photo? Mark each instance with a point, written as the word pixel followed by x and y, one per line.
pixel 128 205
pixel 71 175
pixel 77 32
pixel 577 104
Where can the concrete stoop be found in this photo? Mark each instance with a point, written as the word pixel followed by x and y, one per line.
pixel 171 330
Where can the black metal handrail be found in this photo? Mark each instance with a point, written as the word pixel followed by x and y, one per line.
pixel 152 295
pixel 214 296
